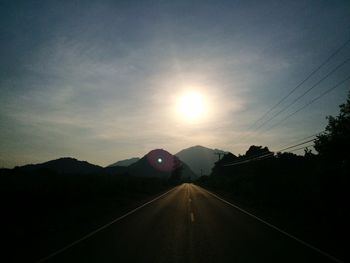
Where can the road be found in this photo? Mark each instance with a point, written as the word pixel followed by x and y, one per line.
pixel 188 224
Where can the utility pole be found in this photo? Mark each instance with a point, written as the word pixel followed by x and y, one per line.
pixel 219 155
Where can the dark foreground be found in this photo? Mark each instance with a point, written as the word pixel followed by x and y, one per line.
pixel 188 225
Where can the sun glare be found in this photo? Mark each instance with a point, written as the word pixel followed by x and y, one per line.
pixel 191 106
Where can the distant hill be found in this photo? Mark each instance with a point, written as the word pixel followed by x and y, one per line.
pixel 156 163
pixel 199 157
pixel 124 163
pixel 159 163
pixel 64 165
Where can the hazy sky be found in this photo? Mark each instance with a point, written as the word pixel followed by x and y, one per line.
pixel 100 80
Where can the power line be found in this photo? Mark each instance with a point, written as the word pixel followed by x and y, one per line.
pixel 314 135
pixel 298 144
pixel 310 102
pixel 306 92
pixel 250 159
pixel 303 139
pixel 263 156
pixel 310 145
pixel 290 147
pixel 303 81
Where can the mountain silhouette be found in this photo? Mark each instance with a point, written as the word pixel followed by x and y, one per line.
pixel 160 163
pixel 125 162
pixel 199 158
pixel 65 165
pixel 156 163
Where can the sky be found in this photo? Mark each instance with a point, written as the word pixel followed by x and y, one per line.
pixel 101 81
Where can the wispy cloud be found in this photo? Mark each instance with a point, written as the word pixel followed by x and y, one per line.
pixel 103 83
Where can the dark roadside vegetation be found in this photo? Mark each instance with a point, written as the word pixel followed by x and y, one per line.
pixel 45 207
pixel 307 196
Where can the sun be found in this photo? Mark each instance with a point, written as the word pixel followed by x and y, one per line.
pixel 191 106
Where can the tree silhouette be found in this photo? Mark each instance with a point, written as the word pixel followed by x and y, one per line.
pixel 334 143
pixel 255 151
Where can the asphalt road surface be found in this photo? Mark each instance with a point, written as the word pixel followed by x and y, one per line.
pixel 188 224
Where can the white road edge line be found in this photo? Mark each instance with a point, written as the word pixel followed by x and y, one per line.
pixel 101 228
pixel 276 228
pixel 192 217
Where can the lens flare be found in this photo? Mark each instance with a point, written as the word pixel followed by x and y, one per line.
pixel 161 160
